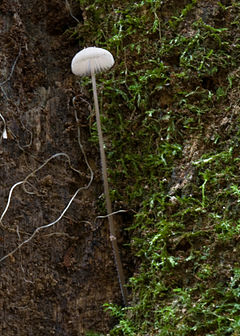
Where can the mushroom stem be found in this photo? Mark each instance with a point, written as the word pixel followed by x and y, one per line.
pixel 112 227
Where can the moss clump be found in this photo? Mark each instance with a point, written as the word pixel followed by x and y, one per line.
pixel 171 109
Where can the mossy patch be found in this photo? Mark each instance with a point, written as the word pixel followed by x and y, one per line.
pixel 171 109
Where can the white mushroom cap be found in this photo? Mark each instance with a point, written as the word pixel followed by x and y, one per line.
pixel 91 59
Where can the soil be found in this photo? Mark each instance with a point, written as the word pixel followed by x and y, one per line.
pixel 57 283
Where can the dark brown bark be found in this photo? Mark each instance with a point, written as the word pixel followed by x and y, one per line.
pixel 56 283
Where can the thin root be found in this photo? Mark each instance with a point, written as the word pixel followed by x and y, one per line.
pixel 66 208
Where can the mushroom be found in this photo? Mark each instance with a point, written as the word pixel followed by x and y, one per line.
pixel 90 61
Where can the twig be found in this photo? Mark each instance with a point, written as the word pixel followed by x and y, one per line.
pixel 70 10
pixel 35 171
pixel 12 69
pixel 93 226
pixel 9 199
pixel 112 213
pixel 31 174
pixel 43 226
pixel 63 212
pixel 4 133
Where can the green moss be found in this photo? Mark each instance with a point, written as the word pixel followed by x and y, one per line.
pixel 170 116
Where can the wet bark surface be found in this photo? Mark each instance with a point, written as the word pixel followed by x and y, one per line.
pixel 56 283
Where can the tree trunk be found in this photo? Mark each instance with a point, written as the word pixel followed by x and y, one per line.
pixel 58 280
